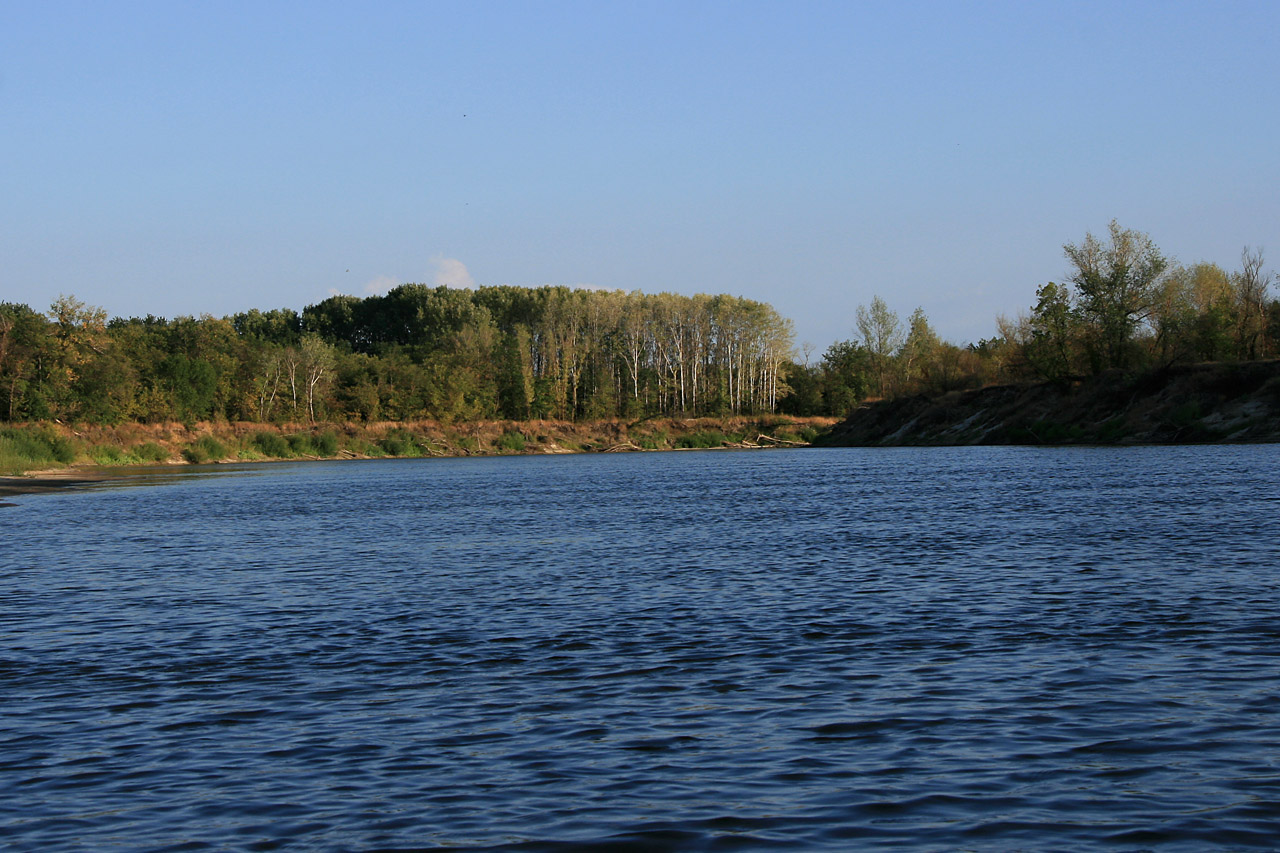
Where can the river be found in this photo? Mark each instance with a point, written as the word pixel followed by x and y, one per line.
pixel 916 649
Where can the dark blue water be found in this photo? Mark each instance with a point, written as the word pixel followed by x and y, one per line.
pixel 991 649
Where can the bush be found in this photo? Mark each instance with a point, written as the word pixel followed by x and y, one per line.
pixel 511 442
pixel 149 451
pixel 272 444
pixel 326 443
pixel 300 445
pixel 393 445
pixel 656 440
pixel 206 449
pixel 708 438
pixel 107 454
pixel 364 448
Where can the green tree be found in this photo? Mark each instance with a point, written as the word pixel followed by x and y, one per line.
pixel 24 343
pixel 847 369
pixel 1051 349
pixel 316 360
pixel 882 337
pixel 1116 282
pixel 919 351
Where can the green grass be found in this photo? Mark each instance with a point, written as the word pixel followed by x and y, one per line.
pixel 108 454
pixel 27 449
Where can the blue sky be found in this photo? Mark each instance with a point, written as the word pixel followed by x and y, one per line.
pixel 182 158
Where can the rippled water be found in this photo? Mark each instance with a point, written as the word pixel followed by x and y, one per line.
pixel 995 649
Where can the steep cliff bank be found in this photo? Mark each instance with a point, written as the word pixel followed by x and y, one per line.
pixel 1185 404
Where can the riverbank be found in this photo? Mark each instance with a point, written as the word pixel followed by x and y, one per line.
pixel 1186 404
pixel 46 447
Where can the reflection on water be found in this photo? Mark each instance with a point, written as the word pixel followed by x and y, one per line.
pixel 990 648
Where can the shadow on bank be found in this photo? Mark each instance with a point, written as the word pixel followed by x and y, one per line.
pixel 1185 404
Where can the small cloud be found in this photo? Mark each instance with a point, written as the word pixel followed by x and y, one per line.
pixel 451 272
pixel 333 291
pixel 380 285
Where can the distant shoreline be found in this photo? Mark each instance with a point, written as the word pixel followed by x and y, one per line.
pixel 65 455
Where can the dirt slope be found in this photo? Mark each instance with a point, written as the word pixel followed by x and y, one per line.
pixel 1184 404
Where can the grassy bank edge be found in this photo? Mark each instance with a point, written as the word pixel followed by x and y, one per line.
pixel 44 447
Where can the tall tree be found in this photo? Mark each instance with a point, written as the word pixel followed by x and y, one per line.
pixel 1116 281
pixel 882 336
pixel 1250 285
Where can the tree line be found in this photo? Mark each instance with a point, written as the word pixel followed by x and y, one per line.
pixel 1123 306
pixel 518 353
pixel 1126 305
pixel 417 352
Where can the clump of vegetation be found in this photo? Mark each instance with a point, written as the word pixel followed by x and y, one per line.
pixel 24 449
pixel 326 443
pixel 365 448
pixel 149 451
pixel 108 454
pixel 649 437
pixel 272 445
pixel 394 445
pixel 399 442
pixel 205 449
pixel 703 439
pixel 511 442
pixel 300 445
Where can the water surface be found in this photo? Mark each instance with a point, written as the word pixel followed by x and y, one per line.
pixel 926 649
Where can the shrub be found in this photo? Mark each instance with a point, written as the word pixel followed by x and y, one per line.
pixel 326 443
pixel 365 448
pixel 64 449
pixel 707 438
pixel 300 444
pixel 149 451
pixel 107 454
pixel 511 442
pixel 272 444
pixel 206 449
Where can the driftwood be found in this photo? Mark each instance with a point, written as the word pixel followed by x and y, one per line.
pixel 623 447
pixel 772 440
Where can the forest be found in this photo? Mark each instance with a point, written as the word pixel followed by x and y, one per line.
pixel 515 353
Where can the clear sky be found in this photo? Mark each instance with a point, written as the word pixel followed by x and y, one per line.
pixel 181 158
